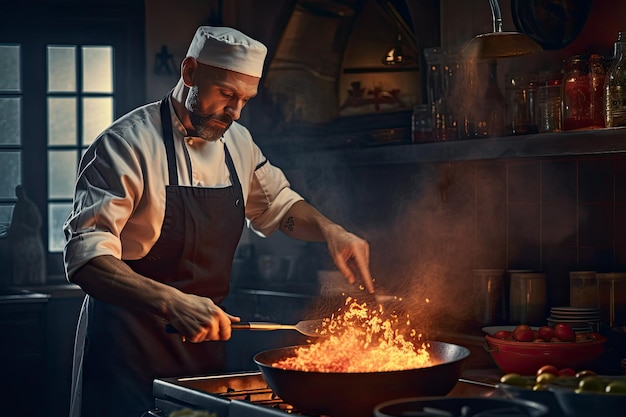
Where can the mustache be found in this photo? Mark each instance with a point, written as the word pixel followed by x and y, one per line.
pixel 226 119
pixel 205 120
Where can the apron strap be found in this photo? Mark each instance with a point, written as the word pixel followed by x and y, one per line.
pixel 168 139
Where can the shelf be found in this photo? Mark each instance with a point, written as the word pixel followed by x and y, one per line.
pixel 366 70
pixel 572 143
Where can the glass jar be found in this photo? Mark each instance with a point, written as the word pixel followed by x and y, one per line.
pixel 597 74
pixel 548 108
pixel 520 90
pixel 527 298
pixel 576 93
pixel 490 292
pixel 612 292
pixel 583 289
pixel 615 86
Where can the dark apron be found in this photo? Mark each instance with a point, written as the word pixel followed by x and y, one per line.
pixel 126 350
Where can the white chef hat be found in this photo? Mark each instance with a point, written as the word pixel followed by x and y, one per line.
pixel 229 49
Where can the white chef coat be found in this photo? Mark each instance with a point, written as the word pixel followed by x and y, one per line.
pixel 119 202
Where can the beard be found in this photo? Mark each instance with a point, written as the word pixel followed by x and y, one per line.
pixel 208 127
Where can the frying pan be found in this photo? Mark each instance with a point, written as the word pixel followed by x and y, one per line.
pixel 338 394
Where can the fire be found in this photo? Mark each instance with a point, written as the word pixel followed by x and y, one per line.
pixel 360 340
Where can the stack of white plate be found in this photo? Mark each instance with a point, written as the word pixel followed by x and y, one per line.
pixel 581 319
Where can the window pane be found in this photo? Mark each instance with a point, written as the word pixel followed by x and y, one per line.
pixel 98 69
pixel 57 214
pixel 61 173
pixel 61 121
pixel 97 115
pixel 62 68
pixel 10 67
pixel 11 173
pixel 6 210
pixel 9 120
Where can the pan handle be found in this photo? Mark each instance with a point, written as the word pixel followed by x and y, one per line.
pixel 241 325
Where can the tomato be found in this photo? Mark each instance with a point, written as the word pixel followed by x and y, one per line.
pixel 584 373
pixel 546 333
pixel 524 335
pixel 566 372
pixel 502 334
pixel 521 327
pixel 548 369
pixel 564 332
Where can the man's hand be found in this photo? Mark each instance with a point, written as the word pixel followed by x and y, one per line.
pixel 350 253
pixel 351 256
pixel 199 319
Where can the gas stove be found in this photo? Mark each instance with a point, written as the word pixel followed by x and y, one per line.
pixel 221 395
pixel 246 394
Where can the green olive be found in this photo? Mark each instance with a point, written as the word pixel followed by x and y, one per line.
pixel 616 387
pixel 515 379
pixel 592 384
pixel 545 378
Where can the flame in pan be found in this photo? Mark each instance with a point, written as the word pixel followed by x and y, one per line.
pixel 360 339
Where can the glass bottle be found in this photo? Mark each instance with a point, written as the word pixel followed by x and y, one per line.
pixel 447 111
pixel 492 121
pixel 435 83
pixel 615 86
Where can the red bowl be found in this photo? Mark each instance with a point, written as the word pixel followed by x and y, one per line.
pixel 525 358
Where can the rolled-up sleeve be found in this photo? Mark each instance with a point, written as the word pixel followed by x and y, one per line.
pixel 108 186
pixel 270 198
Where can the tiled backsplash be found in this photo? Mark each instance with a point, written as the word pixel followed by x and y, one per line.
pixel 555 215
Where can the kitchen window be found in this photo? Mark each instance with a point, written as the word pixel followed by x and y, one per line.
pixel 62 81
pixel 80 104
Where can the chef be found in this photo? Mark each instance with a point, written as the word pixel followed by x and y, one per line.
pixel 161 200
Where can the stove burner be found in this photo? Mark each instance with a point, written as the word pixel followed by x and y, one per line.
pixel 238 394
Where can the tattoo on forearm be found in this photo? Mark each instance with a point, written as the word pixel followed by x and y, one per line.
pixel 290 223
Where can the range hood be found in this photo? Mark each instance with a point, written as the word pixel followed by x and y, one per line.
pixel 326 51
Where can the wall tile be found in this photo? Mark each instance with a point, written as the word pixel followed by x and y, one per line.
pixel 524 256
pixel 595 180
pixel 619 263
pixel 620 179
pixel 524 223
pixel 490 182
pixel 523 182
pixel 595 258
pixel 558 182
pixel 558 224
pixel 595 225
